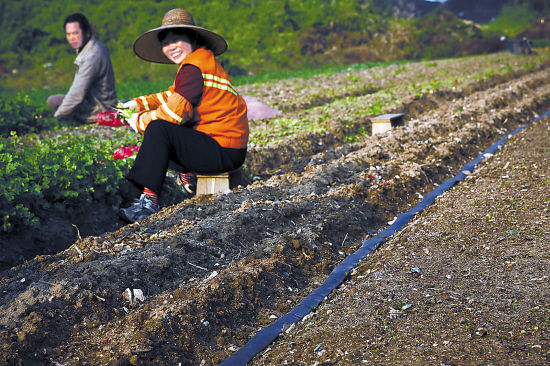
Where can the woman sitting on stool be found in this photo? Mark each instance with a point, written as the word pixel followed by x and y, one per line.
pixel 199 125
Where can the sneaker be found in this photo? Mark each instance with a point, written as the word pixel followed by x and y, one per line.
pixel 140 209
pixel 188 183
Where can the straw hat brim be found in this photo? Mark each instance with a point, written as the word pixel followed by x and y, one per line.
pixel 148 47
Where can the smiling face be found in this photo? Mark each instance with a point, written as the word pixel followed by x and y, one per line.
pixel 176 47
pixel 74 35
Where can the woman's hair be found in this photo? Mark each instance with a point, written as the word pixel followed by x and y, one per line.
pixel 81 20
pixel 194 38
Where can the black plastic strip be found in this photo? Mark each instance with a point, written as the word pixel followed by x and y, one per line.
pixel 267 335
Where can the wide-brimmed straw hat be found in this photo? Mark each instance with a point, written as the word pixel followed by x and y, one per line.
pixel 148 46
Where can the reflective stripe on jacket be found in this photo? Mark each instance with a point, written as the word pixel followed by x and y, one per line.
pixel 220 114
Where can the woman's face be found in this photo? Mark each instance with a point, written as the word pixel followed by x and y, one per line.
pixel 176 47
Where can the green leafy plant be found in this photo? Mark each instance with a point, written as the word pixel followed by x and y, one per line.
pixel 19 114
pixel 66 171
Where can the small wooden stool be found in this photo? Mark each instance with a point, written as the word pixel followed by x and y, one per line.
pixel 385 122
pixel 214 183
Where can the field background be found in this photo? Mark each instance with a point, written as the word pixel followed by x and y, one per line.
pixel 271 36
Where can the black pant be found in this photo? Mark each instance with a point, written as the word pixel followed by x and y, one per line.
pixel 183 149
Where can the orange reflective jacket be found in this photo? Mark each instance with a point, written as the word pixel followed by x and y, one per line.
pixel 220 114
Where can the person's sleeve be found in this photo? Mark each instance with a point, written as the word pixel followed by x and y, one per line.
pixel 83 78
pixel 174 109
pixel 150 102
pixel 189 84
pixel 175 105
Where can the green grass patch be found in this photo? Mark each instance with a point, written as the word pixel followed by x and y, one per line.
pixel 309 72
pixel 513 20
pixel 276 130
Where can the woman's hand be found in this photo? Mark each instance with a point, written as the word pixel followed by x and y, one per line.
pixel 131 104
pixel 132 121
pixel 126 110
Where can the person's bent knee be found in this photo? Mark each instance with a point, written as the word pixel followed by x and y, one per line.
pixel 158 128
pixel 157 125
pixel 54 101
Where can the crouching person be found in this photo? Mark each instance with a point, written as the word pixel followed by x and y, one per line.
pixel 93 89
pixel 198 126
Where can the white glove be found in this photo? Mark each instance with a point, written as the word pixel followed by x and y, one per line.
pixel 131 104
pixel 132 121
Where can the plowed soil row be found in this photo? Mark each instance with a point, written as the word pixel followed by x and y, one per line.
pixel 464 283
pixel 212 270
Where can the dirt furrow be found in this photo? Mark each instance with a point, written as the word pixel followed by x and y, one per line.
pixel 294 152
pixel 465 283
pixel 319 90
pixel 264 246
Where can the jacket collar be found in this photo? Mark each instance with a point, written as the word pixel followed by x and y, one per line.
pixel 86 45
